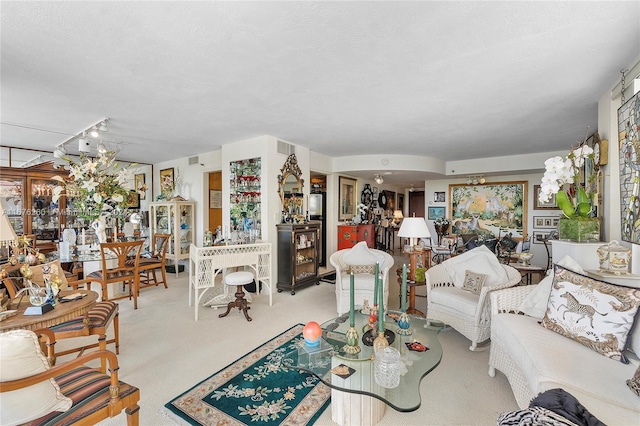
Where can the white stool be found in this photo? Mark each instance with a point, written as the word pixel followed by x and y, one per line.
pixel 239 279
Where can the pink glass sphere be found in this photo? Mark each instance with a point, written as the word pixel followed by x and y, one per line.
pixel 311 333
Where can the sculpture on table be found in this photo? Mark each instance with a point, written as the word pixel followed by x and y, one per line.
pixel 99 225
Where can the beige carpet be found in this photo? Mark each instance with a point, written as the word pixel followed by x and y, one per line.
pixel 164 352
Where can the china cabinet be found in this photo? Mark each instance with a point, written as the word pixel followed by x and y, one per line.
pixel 176 218
pixel 27 197
pixel 245 197
pixel 350 235
pixel 297 256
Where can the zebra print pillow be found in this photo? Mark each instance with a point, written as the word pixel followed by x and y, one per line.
pixel 533 416
pixel 594 313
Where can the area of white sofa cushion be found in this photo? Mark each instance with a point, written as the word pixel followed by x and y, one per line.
pixel 480 260
pixel 21 357
pixel 360 282
pixel 455 299
pixel 535 304
pixel 548 360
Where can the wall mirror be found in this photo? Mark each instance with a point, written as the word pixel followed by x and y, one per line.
pixel 290 182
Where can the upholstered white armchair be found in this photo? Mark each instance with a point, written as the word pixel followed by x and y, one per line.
pixel 458 292
pixel 361 259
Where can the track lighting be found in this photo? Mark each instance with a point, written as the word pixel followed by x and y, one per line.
pixel 379 180
pixel 101 148
pixel 60 151
pixel 94 132
pixel 83 143
pixel 103 126
pixel 475 180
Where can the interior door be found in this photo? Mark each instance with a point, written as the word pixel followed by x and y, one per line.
pixel 416 203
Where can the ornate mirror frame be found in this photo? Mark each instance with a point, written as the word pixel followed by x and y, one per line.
pixel 290 168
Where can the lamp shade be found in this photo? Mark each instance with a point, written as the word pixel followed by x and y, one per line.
pixel 397 214
pixel 6 229
pixel 414 227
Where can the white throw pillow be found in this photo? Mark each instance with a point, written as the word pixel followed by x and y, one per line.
pixel 535 304
pixel 480 260
pixel 360 254
pixel 20 356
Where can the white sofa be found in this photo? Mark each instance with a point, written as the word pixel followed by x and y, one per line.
pixel 466 312
pixel 359 255
pixel 535 359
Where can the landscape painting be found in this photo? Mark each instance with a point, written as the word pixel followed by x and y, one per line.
pixel 491 210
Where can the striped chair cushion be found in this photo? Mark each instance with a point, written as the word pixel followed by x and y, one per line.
pixel 111 275
pixel 89 391
pixel 99 316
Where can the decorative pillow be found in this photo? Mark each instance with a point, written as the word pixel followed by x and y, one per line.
pixel 479 260
pixel 361 269
pixel 594 313
pixel 535 304
pixel 359 254
pixel 21 357
pixel 473 282
pixel 634 382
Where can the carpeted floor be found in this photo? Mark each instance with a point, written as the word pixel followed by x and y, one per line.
pixel 164 352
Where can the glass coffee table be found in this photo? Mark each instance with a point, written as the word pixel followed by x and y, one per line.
pixel 356 398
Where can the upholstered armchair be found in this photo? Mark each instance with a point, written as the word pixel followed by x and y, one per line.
pixel 458 292
pixel 70 393
pixel 361 260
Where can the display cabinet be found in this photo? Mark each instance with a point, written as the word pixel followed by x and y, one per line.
pixel 245 197
pixel 178 219
pixel 297 256
pixel 350 235
pixel 27 197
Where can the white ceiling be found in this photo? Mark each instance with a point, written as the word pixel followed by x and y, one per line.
pixel 452 80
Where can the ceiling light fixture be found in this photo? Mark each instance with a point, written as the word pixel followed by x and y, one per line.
pixel 83 143
pixel 94 132
pixel 379 180
pixel 475 180
pixel 103 126
pixel 60 151
pixel 101 148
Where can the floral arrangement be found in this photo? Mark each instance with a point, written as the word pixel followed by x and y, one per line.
pixel 441 221
pixel 96 185
pixel 561 177
pixel 167 186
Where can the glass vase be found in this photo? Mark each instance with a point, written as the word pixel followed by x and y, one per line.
pixel 579 229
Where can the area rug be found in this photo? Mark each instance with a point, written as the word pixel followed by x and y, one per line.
pixel 256 389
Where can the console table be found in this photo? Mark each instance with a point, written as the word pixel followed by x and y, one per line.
pixel 358 399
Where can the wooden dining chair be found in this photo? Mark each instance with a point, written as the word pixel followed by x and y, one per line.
pixel 95 323
pixel 149 265
pixel 127 258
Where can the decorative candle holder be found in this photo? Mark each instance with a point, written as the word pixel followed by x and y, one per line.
pixel 351 347
pixel 380 342
pixel 404 325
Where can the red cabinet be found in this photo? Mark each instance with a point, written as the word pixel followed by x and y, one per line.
pixel 350 235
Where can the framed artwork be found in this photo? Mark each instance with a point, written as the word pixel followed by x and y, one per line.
pixel 133 200
pixel 347 195
pixel 166 174
pixel 215 199
pixel 537 205
pixel 391 200
pixel 549 222
pixel 401 202
pixel 494 209
pixel 439 197
pixel 629 157
pixel 539 237
pixel 138 185
pixel 434 213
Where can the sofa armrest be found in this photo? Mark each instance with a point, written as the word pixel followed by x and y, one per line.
pixel 509 300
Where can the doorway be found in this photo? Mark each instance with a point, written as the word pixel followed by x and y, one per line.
pixel 416 203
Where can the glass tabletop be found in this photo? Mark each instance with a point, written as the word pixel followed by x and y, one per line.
pixel 357 371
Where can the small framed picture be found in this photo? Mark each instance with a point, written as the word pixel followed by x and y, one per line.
pixel 538 205
pixel 439 197
pixel 539 237
pixel 548 222
pixel 133 200
pixel 434 213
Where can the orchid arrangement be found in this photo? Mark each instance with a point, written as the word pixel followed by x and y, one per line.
pixel 561 177
pixel 96 185
pixel 441 221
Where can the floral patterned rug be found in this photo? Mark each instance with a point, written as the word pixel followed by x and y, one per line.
pixel 256 389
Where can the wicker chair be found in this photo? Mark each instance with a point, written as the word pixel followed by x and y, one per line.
pixel 467 313
pixel 69 393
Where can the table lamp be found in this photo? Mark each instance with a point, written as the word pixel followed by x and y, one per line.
pixel 397 217
pixel 412 228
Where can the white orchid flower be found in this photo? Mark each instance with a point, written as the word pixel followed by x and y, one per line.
pixel 90 185
pixel 97 197
pixel 118 198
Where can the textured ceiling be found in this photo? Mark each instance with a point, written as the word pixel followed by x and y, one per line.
pixel 452 80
